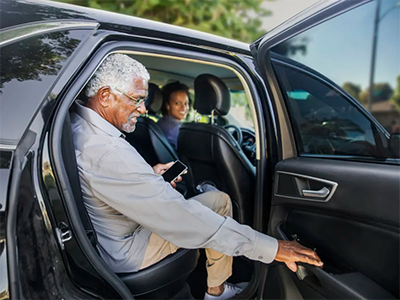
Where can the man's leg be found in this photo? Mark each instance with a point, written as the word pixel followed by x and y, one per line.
pixel 156 250
pixel 219 266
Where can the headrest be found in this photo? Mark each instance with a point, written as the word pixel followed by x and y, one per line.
pixel 211 93
pixel 154 102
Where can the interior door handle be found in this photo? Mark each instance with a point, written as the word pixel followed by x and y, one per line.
pixel 322 193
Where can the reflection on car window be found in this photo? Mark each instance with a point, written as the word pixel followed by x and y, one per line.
pixel 28 70
pixel 327 122
pixel 342 50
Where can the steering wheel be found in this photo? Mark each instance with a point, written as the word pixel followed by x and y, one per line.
pixel 235 132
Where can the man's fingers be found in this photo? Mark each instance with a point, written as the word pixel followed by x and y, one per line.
pixel 313 260
pixel 173 184
pixel 168 165
pixel 178 179
pixel 308 252
pixel 292 266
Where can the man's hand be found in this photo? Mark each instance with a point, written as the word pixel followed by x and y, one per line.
pixel 161 168
pixel 292 252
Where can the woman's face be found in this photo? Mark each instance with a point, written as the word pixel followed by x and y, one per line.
pixel 178 105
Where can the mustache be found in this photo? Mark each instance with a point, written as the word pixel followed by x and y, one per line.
pixel 133 115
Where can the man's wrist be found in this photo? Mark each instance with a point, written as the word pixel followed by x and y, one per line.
pixel 265 248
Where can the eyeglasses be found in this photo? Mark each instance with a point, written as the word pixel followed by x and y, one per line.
pixel 138 101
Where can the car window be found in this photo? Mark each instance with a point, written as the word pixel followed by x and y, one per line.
pixel 327 69
pixel 326 122
pixel 29 68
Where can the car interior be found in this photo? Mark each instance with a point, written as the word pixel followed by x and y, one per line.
pixel 223 154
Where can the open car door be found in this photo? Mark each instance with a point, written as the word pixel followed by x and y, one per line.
pixel 336 177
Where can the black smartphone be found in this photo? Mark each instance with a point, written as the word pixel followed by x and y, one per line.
pixel 174 171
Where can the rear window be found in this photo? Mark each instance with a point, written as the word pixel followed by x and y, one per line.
pixel 29 68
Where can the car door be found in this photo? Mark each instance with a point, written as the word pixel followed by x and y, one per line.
pixel 336 176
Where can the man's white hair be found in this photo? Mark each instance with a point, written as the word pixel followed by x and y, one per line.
pixel 117 71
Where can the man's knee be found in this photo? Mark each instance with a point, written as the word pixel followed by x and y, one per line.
pixel 224 205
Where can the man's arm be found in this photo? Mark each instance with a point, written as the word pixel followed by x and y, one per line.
pixel 129 185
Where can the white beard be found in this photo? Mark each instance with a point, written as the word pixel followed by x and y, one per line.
pixel 128 127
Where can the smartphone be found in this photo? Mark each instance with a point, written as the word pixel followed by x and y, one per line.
pixel 174 171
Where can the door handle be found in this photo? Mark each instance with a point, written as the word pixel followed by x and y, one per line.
pixel 321 194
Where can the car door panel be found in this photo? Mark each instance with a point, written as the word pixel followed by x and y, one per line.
pixel 356 232
pixel 336 179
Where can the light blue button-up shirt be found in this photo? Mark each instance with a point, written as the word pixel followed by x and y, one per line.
pixel 126 201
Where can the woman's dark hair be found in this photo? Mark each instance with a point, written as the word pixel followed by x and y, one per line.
pixel 170 88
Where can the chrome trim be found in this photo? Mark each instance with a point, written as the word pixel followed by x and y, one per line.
pixel 14 34
pixel 333 184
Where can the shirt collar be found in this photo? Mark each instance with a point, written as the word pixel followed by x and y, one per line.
pixel 96 120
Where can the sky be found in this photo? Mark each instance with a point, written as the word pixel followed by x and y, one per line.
pixel 283 10
pixel 341 48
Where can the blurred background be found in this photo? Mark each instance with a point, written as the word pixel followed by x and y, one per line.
pixel 243 20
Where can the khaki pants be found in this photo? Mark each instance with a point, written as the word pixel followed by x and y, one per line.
pixel 219 266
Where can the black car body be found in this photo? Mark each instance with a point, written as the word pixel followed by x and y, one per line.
pixel 328 181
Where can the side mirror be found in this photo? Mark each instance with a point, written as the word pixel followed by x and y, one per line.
pixel 394 145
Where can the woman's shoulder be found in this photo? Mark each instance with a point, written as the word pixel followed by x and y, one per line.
pixel 168 121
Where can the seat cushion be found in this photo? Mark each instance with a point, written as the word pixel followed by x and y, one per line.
pixel 172 268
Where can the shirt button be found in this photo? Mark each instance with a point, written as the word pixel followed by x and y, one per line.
pixel 260 257
pixel 237 252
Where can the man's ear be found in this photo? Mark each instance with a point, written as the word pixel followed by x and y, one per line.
pixel 104 95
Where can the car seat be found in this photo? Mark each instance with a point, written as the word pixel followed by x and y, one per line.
pixel 211 151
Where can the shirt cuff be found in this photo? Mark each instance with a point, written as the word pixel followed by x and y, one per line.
pixel 265 248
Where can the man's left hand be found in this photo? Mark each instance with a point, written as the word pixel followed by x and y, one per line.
pixel 161 168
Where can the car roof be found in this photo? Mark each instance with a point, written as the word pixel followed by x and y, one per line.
pixel 20 12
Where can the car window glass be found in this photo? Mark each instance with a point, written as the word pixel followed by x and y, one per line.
pixel 325 121
pixel 341 50
pixel 29 68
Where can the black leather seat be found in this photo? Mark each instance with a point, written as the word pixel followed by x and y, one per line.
pixel 148 139
pixel 213 154
pixel 161 280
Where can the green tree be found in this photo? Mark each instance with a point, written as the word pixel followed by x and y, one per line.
pixel 381 92
pixel 237 19
pixel 354 90
pixel 395 99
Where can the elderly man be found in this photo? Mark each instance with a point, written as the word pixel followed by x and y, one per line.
pixel 138 217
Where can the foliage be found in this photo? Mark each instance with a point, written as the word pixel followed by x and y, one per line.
pixel 381 92
pixel 395 99
pixel 237 19
pixel 354 90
